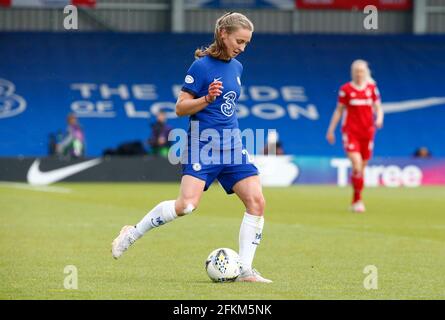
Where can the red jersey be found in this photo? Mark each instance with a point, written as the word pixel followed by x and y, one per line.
pixel 358 118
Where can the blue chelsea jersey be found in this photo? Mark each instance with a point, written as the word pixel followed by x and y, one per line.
pixel 221 114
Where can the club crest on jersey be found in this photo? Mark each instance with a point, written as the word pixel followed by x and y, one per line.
pixel 228 107
pixel 189 79
pixel 368 93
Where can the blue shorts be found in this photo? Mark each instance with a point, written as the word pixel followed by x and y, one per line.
pixel 227 174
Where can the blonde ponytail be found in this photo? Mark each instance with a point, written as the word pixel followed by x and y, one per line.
pixel 230 22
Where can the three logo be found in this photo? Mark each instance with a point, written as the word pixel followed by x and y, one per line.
pixel 228 107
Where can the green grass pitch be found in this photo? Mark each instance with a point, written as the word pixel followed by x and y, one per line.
pixel 312 247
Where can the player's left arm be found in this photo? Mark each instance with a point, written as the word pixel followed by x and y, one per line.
pixel 377 105
pixel 379 114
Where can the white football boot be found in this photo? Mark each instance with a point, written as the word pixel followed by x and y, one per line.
pixel 358 207
pixel 123 241
pixel 251 275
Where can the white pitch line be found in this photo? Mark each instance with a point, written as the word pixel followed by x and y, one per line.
pixel 26 186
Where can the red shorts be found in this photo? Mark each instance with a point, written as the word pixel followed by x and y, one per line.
pixel 353 143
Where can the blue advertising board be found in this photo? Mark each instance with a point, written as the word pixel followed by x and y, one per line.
pixel 116 83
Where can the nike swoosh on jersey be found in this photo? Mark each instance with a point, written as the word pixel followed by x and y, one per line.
pixel 408 105
pixel 216 79
pixel 39 178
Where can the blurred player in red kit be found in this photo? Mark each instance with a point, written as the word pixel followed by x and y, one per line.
pixel 359 105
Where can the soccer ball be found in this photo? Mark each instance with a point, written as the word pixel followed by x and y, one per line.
pixel 223 265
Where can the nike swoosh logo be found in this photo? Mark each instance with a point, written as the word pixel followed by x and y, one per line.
pixel 38 178
pixel 408 105
pixel 216 79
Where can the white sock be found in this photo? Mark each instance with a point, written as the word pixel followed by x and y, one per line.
pixel 249 238
pixel 159 215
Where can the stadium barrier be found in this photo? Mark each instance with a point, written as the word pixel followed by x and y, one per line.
pixel 279 171
pixel 43 171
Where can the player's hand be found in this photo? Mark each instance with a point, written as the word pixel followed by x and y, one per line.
pixel 379 124
pixel 330 137
pixel 215 90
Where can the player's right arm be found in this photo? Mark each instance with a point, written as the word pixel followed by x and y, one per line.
pixel 336 116
pixel 196 84
pixel 187 104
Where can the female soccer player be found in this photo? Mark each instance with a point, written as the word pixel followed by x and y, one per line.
pixel 210 105
pixel 358 100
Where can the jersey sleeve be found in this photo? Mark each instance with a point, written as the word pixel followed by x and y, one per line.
pixel 195 79
pixel 342 96
pixel 375 94
pixel 241 68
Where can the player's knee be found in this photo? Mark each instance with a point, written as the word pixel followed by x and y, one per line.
pixel 357 168
pixel 262 204
pixel 186 206
pixel 256 204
